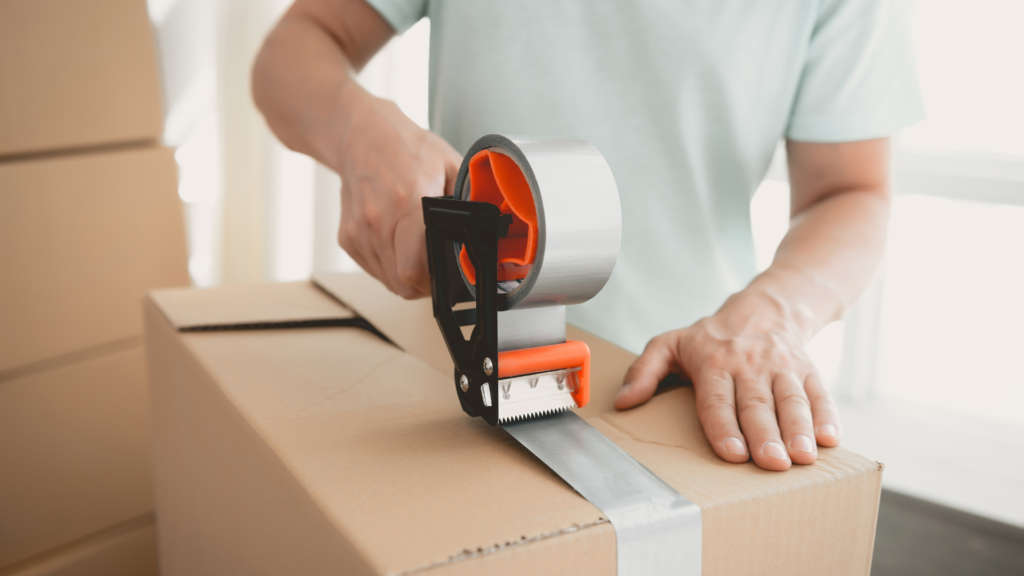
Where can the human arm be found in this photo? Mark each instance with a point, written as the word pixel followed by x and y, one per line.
pixel 304 84
pixel 757 391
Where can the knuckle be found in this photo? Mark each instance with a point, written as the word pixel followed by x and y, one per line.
pixel 718 402
pixel 793 399
pixel 718 360
pixel 373 217
pixel 757 402
pixel 410 273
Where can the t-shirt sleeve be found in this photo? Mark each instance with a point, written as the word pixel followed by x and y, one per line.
pixel 400 14
pixel 859 80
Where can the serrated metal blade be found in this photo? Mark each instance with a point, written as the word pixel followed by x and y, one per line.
pixel 532 395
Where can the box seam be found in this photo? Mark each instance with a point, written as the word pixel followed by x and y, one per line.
pixel 468 554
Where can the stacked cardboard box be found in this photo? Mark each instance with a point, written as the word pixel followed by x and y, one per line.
pixel 89 220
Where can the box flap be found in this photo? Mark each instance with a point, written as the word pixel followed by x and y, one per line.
pixel 408 323
pixel 242 307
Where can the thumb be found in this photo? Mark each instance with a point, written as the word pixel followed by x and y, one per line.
pixel 657 361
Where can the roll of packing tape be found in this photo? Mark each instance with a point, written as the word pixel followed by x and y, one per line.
pixel 563 248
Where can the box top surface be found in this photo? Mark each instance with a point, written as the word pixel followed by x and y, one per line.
pixel 376 436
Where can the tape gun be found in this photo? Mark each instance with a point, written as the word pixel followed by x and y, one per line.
pixel 534 225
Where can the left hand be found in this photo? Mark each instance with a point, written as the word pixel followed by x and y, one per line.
pixel 758 393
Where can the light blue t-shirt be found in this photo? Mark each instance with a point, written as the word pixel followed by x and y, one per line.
pixel 686 100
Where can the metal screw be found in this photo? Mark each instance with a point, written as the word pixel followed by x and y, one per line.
pixel 506 387
pixel 464 384
pixel 488 366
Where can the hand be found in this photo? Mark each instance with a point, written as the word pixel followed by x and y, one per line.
pixel 386 165
pixel 758 393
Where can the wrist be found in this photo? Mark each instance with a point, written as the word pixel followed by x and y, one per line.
pixel 799 301
pixel 761 310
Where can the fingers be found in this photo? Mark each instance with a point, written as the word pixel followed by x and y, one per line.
pixel 716 408
pixel 755 407
pixel 826 418
pixel 794 418
pixel 411 255
pixel 650 368
pixel 384 248
pixel 357 245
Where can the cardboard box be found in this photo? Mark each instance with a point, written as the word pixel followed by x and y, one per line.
pixel 76 74
pixel 81 240
pixel 74 453
pixel 128 549
pixel 328 450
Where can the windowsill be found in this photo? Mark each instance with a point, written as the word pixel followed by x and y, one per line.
pixel 958 461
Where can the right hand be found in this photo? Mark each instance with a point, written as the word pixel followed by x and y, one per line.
pixel 387 165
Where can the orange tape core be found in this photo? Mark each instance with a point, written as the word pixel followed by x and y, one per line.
pixel 495 178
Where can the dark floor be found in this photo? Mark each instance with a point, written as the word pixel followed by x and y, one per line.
pixel 920 538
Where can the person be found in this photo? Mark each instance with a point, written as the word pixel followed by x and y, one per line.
pixel 687 101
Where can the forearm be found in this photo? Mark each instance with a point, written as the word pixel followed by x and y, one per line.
pixel 304 83
pixel 840 199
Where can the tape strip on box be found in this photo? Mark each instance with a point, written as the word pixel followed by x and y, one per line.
pixel 657 530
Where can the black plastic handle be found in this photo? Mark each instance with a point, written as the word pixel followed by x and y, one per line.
pixel 478 226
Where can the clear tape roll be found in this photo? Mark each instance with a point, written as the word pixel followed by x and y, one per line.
pixel 578 214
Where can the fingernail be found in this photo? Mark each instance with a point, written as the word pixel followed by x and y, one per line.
pixel 624 390
pixel 775 450
pixel 826 430
pixel 802 443
pixel 735 446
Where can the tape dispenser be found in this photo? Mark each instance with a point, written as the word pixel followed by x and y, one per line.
pixel 534 226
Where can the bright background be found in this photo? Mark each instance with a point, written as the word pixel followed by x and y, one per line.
pixel 926 367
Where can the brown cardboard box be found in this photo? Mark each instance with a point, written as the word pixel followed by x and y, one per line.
pixel 128 549
pixel 327 450
pixel 76 74
pixel 74 453
pixel 81 239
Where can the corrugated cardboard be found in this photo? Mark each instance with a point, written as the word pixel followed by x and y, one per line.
pixel 76 74
pixel 328 450
pixel 128 549
pixel 74 453
pixel 81 240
